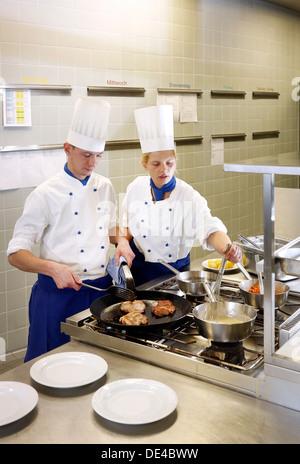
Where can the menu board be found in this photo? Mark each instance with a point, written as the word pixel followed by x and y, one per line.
pixel 17 108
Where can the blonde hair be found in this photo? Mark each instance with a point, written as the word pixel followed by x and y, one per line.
pixel 145 156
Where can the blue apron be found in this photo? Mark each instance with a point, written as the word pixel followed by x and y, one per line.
pixel 49 306
pixel 144 271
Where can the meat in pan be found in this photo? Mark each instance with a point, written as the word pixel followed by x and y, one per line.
pixel 133 306
pixel 163 308
pixel 134 318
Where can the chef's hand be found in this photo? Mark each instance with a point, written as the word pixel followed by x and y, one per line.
pixel 65 277
pixel 123 249
pixel 234 254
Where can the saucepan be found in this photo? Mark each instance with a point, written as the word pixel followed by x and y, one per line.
pixel 257 299
pixel 191 282
pixel 224 322
pixel 283 265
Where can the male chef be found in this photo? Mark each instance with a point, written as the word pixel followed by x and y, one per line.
pixel 73 217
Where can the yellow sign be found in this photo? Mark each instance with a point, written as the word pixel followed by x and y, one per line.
pixel 17 108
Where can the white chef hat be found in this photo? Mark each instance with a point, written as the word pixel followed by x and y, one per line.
pixel 155 128
pixel 88 129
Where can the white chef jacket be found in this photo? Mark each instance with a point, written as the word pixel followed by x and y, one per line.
pixel 167 229
pixel 71 221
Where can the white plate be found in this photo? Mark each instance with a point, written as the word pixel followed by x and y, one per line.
pixel 16 400
pixel 134 401
pixel 226 271
pixel 68 370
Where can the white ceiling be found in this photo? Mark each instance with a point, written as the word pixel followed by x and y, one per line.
pixel 291 4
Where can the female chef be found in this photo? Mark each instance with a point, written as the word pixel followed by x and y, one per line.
pixel 163 216
pixel 73 216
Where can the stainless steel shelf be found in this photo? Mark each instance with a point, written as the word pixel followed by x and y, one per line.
pixel 122 144
pixel 15 148
pixel 263 94
pixel 188 140
pixel 62 88
pixel 168 90
pixel 265 134
pixel 116 91
pixel 109 145
pixel 228 93
pixel 285 163
pixel 230 137
pixel 132 144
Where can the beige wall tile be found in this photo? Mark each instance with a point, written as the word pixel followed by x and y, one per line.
pixel 208 44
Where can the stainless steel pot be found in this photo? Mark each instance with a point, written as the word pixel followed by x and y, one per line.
pixel 254 246
pixel 192 282
pixel 224 322
pixel 257 300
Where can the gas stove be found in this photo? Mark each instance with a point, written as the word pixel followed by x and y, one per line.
pixel 179 347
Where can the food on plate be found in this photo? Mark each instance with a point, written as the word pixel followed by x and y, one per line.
pixel 216 263
pixel 134 318
pixel 163 308
pixel 130 306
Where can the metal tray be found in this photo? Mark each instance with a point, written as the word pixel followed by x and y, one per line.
pixel 290 260
pixel 250 252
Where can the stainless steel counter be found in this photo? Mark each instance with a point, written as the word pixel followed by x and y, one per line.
pixel 284 164
pixel 205 413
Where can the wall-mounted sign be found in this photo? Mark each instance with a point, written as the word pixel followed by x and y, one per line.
pixel 184 105
pixel 17 108
pixel 217 151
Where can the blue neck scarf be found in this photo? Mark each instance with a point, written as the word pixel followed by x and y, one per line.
pixel 84 181
pixel 158 193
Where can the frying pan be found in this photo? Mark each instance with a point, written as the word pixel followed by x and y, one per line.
pixel 107 308
pixel 191 282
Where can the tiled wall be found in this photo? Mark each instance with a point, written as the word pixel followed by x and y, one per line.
pixel 207 44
